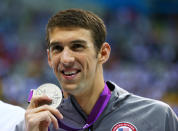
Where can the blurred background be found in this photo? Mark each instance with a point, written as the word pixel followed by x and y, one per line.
pixel 143 35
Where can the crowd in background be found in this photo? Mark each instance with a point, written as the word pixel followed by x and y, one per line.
pixel 144 57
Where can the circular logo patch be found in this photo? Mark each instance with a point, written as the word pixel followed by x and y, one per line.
pixel 124 127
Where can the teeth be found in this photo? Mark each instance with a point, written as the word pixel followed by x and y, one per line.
pixel 70 72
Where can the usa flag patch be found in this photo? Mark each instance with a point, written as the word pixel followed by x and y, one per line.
pixel 124 129
pixel 124 126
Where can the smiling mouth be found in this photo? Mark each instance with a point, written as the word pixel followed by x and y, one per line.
pixel 70 73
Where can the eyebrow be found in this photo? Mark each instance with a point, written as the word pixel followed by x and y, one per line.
pixel 54 43
pixel 71 42
pixel 78 41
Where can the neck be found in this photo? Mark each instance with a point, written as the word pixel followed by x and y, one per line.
pixel 87 99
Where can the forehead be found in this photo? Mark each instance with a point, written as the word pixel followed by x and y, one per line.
pixel 66 34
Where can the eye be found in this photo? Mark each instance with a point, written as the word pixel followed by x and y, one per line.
pixel 77 47
pixel 56 48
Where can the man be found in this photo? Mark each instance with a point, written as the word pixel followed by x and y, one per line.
pixel 10 116
pixel 76 52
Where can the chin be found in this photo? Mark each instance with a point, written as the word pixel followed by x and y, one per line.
pixel 69 87
pixel 72 89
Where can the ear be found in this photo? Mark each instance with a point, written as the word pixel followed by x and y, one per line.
pixel 49 58
pixel 104 53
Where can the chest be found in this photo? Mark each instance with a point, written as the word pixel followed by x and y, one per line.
pixel 130 120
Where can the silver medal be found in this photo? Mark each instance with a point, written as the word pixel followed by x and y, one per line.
pixel 52 91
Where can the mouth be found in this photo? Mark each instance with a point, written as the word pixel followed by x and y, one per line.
pixel 70 74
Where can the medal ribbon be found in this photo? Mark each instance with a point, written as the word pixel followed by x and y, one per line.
pixel 30 95
pixel 95 113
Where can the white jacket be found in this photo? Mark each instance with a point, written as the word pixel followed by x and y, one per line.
pixel 10 116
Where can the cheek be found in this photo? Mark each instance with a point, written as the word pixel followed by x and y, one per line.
pixel 90 64
pixel 55 62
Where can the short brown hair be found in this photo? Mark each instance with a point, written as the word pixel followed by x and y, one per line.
pixel 79 18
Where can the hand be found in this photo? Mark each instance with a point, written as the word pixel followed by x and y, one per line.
pixel 38 118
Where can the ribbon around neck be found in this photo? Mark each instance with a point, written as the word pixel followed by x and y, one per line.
pixel 95 113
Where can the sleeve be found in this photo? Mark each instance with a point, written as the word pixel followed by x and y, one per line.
pixel 171 123
pixel 20 126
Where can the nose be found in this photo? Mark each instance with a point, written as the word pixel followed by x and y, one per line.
pixel 67 58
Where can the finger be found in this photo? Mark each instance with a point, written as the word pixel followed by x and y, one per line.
pixel 33 121
pixel 47 118
pixel 46 108
pixel 36 100
pixel 54 121
pixel 43 119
